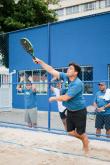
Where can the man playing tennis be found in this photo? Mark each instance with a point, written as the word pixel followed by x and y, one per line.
pixel 72 98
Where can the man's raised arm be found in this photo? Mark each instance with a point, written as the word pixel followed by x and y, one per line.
pixel 47 67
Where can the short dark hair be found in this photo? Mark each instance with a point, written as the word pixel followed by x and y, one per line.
pixel 76 66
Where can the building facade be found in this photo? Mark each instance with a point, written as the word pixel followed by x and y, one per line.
pixel 67 9
pixel 83 40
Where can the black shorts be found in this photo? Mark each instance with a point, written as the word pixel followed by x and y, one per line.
pixel 102 120
pixel 76 120
pixel 63 115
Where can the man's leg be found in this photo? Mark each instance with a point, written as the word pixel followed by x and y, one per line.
pixel 108 133
pixel 83 137
pixel 27 118
pixel 107 125
pixel 33 117
pixel 76 126
pixel 99 123
pixel 98 132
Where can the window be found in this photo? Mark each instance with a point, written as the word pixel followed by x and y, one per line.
pixel 40 81
pixel 37 77
pixel 101 3
pixel 72 10
pixel 4 80
pixel 88 6
pixel 60 12
pixel 69 10
pixel 43 81
pixel 87 75
pixel 107 3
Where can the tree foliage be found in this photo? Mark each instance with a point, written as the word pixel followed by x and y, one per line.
pixel 24 14
pixel 51 1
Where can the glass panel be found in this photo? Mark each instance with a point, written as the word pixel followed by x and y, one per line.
pixel 43 81
pixel 21 76
pixel 75 9
pixel 102 3
pixel 28 76
pixel 87 75
pixel 60 12
pixel 107 3
pixel 69 10
pixel 89 6
pixel 36 80
pixel 88 88
pixel 21 81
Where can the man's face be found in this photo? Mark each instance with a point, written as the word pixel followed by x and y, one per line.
pixel 102 87
pixel 71 71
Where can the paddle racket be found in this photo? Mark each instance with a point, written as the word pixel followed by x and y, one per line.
pixel 28 47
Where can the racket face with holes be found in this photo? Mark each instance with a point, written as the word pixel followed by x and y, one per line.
pixel 27 46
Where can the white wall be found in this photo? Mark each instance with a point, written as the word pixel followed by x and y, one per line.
pixel 99 7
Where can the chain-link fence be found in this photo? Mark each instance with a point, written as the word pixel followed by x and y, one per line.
pixel 12 100
pixel 48 117
pixel 5 77
pixel 4 51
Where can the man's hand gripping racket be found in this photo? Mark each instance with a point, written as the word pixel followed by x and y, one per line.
pixel 27 45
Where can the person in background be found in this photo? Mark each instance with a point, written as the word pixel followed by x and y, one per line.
pixel 102 110
pixel 61 108
pixel 72 98
pixel 30 103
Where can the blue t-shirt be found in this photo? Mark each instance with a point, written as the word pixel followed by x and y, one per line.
pixel 30 99
pixel 99 100
pixel 74 89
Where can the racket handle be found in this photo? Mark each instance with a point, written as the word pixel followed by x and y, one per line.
pixel 34 59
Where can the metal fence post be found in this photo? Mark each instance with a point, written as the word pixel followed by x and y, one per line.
pixel 49 78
